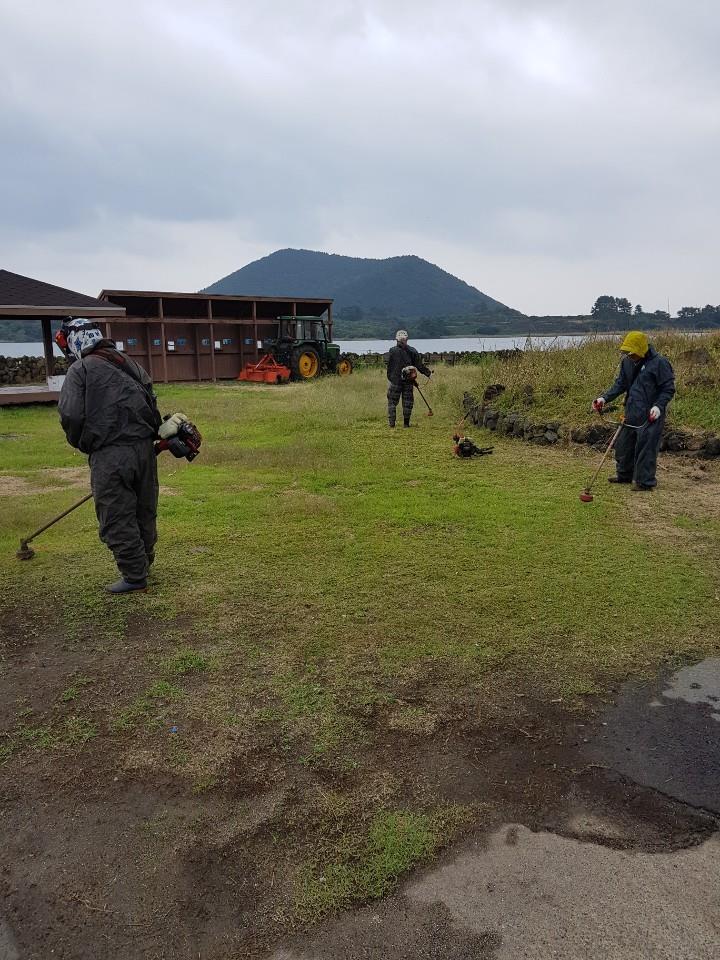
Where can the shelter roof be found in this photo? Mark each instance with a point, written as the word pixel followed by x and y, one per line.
pixel 173 294
pixel 25 297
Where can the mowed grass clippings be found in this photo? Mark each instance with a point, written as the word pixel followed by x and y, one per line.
pixel 323 587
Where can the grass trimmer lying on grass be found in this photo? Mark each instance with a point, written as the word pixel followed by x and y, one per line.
pixel 176 434
pixel 464 447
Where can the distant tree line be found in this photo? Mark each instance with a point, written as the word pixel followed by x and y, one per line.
pixel 607 314
pixel 23 331
pixel 701 318
pixel 620 312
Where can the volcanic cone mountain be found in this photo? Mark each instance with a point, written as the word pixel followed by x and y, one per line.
pixel 401 288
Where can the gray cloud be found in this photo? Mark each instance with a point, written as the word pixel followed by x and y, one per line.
pixel 544 151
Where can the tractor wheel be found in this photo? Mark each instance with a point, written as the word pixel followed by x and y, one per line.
pixel 305 364
pixel 344 366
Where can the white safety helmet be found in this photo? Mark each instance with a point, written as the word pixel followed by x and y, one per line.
pixel 401 335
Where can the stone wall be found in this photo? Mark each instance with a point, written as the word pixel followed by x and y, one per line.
pixel 20 370
pixel 547 433
pixel 451 358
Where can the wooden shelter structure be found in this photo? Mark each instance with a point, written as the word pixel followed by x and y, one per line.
pixel 22 298
pixel 200 336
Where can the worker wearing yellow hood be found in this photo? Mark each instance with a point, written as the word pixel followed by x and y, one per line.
pixel 648 382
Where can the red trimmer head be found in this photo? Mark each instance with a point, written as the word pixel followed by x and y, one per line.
pixel 586 496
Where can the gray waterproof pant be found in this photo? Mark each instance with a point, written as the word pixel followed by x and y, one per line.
pixel 124 483
pixel 636 453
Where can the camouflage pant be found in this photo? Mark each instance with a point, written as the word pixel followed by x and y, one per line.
pixel 395 391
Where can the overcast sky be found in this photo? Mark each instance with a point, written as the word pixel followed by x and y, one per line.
pixel 545 152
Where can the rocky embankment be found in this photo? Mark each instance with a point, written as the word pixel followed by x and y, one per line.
pixel 547 432
pixel 21 370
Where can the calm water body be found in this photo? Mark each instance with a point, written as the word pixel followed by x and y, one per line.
pixel 458 344
pixel 440 345
pixel 24 350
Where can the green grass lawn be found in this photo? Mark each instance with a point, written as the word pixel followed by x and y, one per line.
pixel 324 584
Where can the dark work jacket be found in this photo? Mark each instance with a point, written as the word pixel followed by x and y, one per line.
pixel 100 404
pixel 400 357
pixel 648 383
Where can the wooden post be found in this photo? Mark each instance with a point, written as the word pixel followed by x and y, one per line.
pixel 196 328
pixel 149 340
pixel 241 328
pixel 162 338
pixel 47 347
pixel 212 340
pixel 254 320
pixel 212 352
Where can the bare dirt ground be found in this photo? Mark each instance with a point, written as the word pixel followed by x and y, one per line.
pixel 616 858
pixel 98 862
pixel 594 831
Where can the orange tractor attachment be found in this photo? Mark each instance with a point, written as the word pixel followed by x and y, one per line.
pixel 266 370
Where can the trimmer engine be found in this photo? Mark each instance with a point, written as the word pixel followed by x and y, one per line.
pixel 464 447
pixel 178 435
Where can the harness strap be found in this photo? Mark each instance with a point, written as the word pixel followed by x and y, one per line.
pixel 117 360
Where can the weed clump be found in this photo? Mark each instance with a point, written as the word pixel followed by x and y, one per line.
pixel 186 661
pixel 367 863
pixel 560 382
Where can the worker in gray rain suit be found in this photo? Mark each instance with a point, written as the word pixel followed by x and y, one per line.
pixel 108 410
pixel 648 382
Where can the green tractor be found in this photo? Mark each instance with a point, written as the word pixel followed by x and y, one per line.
pixel 302 345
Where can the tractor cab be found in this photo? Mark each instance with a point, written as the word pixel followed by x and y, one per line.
pixel 296 329
pixel 302 345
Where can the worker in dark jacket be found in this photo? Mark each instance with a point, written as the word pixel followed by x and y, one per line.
pixel 648 382
pixel 108 410
pixel 400 358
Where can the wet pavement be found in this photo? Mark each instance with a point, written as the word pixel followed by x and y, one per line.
pixel 632 874
pixel 8 947
pixel 667 736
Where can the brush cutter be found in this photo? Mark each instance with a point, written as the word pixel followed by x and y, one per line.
pixel 586 496
pixel 461 422
pixel 464 447
pixel 409 375
pixel 26 552
pixel 417 387
pixel 176 434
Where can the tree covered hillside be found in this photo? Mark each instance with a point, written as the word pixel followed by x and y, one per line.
pixel 369 294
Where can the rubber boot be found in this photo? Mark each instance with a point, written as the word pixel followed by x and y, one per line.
pixel 618 480
pixel 125 586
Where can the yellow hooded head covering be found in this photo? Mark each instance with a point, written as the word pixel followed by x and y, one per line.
pixel 635 342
